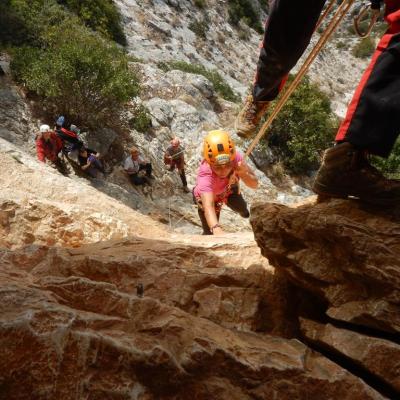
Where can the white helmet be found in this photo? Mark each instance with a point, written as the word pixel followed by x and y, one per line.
pixel 44 128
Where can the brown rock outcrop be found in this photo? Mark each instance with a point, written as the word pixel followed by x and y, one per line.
pixel 39 205
pixel 343 257
pixel 378 356
pixel 72 327
pixel 344 252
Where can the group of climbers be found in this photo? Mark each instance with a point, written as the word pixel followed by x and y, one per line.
pixel 51 143
pixel 217 181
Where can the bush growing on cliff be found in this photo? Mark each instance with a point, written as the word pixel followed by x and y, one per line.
pixel 141 120
pixel 77 73
pixel 365 48
pixel 100 15
pixel 220 86
pixel 303 129
pixel 199 27
pixel 71 69
pixel 244 10
pixel 390 166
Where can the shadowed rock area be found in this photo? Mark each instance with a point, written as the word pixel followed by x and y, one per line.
pixel 343 257
pixel 72 326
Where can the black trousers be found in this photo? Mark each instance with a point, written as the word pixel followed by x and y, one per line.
pixel 141 180
pixel 235 202
pixel 373 117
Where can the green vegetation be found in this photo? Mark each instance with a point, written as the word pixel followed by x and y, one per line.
pixel 69 68
pixel 220 86
pixel 390 166
pixel 199 27
pixel 141 120
pixel 303 129
pixel 200 3
pixel 341 45
pixel 365 48
pixel 99 15
pixel 243 10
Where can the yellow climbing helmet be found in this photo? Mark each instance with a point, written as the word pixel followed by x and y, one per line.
pixel 218 148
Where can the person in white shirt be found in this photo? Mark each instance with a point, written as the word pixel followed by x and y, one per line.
pixel 136 163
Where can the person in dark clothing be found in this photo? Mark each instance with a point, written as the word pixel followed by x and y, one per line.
pixel 175 158
pixel 134 164
pixel 69 137
pixel 371 125
pixel 89 161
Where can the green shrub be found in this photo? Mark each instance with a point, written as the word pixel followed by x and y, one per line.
pixel 220 86
pixel 99 15
pixel 27 21
pixel 199 27
pixel 12 26
pixel 142 119
pixel 77 73
pixel 244 10
pixel 341 45
pixel 365 48
pixel 200 3
pixel 380 28
pixel 302 129
pixel 391 165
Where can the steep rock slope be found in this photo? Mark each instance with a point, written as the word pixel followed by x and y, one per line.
pixel 72 326
pixel 343 257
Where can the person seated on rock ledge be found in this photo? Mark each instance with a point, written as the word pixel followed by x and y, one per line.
pixel 133 166
pixel 175 158
pixel 218 181
pixel 89 162
pixel 48 145
pixel 372 122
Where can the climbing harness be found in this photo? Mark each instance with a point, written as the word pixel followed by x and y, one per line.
pixel 331 27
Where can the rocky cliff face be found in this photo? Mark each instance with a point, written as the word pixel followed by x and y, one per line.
pixel 72 325
pixel 343 256
pixel 103 297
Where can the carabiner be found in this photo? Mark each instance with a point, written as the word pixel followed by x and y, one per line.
pixel 357 20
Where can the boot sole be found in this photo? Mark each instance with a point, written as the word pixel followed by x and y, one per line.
pixel 325 195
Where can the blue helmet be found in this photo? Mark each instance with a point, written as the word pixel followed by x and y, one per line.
pixel 60 121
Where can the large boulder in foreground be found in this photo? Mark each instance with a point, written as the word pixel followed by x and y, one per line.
pixel 73 327
pixel 344 252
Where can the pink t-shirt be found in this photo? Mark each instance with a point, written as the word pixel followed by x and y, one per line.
pixel 208 182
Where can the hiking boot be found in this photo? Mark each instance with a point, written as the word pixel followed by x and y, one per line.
pixel 345 171
pixel 249 117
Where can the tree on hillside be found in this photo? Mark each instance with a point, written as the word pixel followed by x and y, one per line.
pixel 303 128
pixel 72 69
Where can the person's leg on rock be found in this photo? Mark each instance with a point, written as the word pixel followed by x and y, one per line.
pixel 288 31
pixel 371 127
pixel 182 175
pixel 138 180
pixel 237 203
pixel 148 168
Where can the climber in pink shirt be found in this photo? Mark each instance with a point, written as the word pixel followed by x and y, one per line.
pixel 218 181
